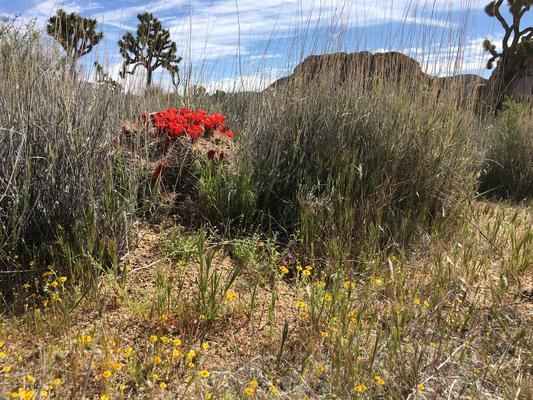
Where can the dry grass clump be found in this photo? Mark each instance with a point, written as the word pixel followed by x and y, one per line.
pixel 65 196
pixel 509 158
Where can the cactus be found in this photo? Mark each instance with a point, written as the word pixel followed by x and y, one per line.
pixel 517 43
pixel 77 35
pixel 151 48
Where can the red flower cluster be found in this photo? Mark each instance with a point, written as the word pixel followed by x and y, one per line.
pixel 174 123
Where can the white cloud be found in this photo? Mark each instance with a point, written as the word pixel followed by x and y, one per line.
pixel 229 27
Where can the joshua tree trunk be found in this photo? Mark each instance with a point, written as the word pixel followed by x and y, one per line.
pixel 148 77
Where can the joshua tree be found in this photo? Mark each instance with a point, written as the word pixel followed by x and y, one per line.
pixel 151 48
pixel 517 43
pixel 77 35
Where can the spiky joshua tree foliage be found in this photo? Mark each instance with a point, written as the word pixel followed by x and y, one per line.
pixel 151 48
pixel 517 42
pixel 77 35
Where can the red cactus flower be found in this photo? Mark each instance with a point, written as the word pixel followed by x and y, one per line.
pixel 198 116
pixel 195 131
pixel 211 154
pixel 144 117
pixel 224 130
pixel 172 111
pixel 209 123
pixel 177 129
pixel 219 119
pixel 229 134
pixel 185 111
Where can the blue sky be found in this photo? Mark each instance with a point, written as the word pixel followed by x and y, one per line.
pixel 235 44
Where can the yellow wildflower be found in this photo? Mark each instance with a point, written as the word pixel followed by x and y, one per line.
pixel 176 353
pixel 1 344
pixel 231 296
pixel 29 395
pixel 157 360
pixel 63 279
pixel 164 339
pixel 378 282
pixel 57 381
pixel 208 396
pixel 417 301
pixel 253 383
pixel 43 393
pixel 361 388
pixel 2 354
pixel 204 373
pixel 273 390
pixel 421 387
pixel 122 387
pixel 324 333
pixel 307 272
pixel 107 374
pixel 328 297
pixel 426 303
pixel 128 351
pixel 30 379
pixel 191 354
pixel 104 397
pixel 154 377
pixel 249 391
pixel 163 385
pixel 176 342
pixel 379 380
pixel 301 305
pixel 54 284
pixel 153 338
pixel 191 365
pixel 205 346
pixel 283 269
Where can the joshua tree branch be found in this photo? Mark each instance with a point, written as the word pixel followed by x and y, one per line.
pixel 527 31
pixel 499 15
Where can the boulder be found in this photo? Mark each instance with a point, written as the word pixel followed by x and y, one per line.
pixel 339 69
pixel 343 68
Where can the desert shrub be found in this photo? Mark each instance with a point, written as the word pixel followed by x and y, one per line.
pixel 64 191
pixel 508 168
pixel 354 171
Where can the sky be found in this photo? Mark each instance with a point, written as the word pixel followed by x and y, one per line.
pixel 247 44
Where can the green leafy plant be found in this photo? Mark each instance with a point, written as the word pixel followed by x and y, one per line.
pixel 150 49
